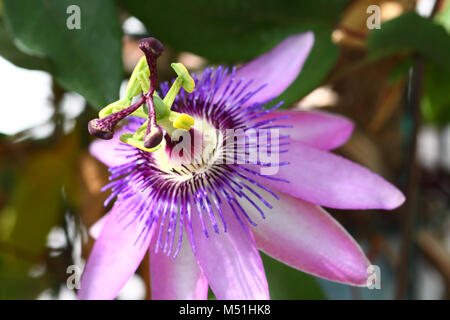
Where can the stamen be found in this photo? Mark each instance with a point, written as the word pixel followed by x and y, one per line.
pixel 136 83
pixel 183 121
pixel 163 116
pixel 184 80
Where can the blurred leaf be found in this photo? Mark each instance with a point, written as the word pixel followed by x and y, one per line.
pixel 38 195
pixel 9 51
pixel 87 61
pixel 412 33
pixel 436 97
pixel 236 31
pixel 36 206
pixel 230 31
pixel 286 283
pixel 400 70
pixel 436 100
pixel 15 279
pixel 443 16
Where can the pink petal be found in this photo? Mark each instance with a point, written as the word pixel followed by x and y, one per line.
pixel 114 257
pixel 306 237
pixel 278 68
pixel 318 129
pixel 96 229
pixel 329 180
pixel 177 279
pixel 230 261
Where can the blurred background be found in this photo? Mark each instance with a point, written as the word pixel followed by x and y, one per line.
pixel 384 64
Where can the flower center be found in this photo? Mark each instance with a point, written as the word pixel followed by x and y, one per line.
pixel 189 154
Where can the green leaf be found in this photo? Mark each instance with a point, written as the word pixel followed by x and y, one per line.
pixel 436 98
pixel 286 283
pixel 230 31
pixel 236 31
pixel 87 60
pixel 9 51
pixel 411 33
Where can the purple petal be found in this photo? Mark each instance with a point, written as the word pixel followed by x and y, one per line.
pixel 321 130
pixel 114 257
pixel 277 68
pixel 306 237
pixel 329 180
pixel 177 279
pixel 230 261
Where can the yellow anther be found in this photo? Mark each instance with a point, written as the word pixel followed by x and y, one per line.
pixel 183 121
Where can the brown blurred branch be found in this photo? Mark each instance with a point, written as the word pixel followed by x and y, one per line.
pixel 412 189
pixel 436 253
pixel 408 212
pixel 57 118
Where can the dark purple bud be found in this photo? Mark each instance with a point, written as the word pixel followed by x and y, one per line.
pixel 151 46
pixel 154 138
pixel 100 129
